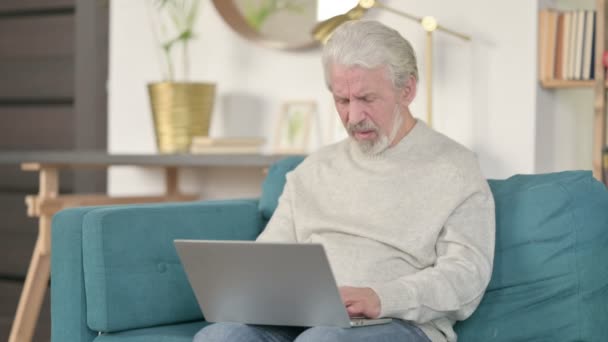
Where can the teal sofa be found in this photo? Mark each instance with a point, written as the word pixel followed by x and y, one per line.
pixel 116 275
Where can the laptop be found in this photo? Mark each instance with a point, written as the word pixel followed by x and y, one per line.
pixel 250 282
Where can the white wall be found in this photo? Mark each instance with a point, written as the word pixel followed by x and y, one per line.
pixel 484 91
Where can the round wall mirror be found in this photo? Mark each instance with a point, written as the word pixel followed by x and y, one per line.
pixel 280 24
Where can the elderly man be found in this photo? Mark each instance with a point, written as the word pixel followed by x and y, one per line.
pixel 403 212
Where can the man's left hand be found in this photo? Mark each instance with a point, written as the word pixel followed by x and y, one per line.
pixel 360 301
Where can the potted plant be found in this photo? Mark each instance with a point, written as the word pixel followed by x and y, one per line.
pixel 181 109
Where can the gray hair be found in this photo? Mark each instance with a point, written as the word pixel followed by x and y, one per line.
pixel 370 44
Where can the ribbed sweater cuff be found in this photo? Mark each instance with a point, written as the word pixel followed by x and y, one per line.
pixel 395 299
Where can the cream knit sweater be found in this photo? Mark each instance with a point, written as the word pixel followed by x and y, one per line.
pixel 415 223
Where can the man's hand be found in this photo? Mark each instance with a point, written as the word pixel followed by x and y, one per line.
pixel 360 301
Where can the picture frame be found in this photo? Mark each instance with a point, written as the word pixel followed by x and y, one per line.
pixel 292 133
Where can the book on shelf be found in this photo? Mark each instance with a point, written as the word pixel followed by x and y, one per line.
pixel 560 49
pixel 589 46
pixel 566 44
pixel 578 48
pixel 571 58
pixel 545 42
pixel 236 145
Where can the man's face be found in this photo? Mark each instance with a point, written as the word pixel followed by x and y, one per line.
pixel 368 105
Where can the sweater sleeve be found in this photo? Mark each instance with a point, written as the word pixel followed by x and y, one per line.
pixel 455 284
pixel 281 227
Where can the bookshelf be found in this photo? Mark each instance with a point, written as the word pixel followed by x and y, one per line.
pixel 561 84
pixel 598 83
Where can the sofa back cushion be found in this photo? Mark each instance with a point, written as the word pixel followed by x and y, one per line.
pixel 132 274
pixel 274 183
pixel 550 278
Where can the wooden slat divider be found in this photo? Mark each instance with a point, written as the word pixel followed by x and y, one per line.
pixel 28 5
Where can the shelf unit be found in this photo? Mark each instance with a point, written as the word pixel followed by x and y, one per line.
pixel 599 85
pixel 562 84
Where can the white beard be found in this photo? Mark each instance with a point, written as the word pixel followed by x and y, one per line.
pixel 380 144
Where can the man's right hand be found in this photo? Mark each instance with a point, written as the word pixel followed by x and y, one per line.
pixel 360 301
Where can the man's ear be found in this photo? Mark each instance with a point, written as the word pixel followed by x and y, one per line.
pixel 408 93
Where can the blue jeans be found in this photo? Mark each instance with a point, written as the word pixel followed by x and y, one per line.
pixel 397 330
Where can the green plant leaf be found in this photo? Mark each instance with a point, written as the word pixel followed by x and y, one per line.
pixel 176 20
pixel 193 13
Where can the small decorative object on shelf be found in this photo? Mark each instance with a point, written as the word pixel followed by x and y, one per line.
pixel 241 145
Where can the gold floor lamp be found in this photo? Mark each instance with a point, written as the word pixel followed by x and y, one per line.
pixel 324 29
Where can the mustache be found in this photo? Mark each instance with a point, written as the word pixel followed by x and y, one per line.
pixel 361 127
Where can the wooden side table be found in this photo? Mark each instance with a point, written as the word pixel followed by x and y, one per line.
pixel 48 201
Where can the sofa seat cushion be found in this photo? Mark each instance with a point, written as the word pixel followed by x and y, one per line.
pixel 550 277
pixel 167 333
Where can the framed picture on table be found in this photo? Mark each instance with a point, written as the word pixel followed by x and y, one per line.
pixel 292 132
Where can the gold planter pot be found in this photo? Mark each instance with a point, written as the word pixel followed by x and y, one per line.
pixel 180 110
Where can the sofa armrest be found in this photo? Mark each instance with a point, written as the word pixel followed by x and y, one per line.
pixel 132 276
pixel 68 303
